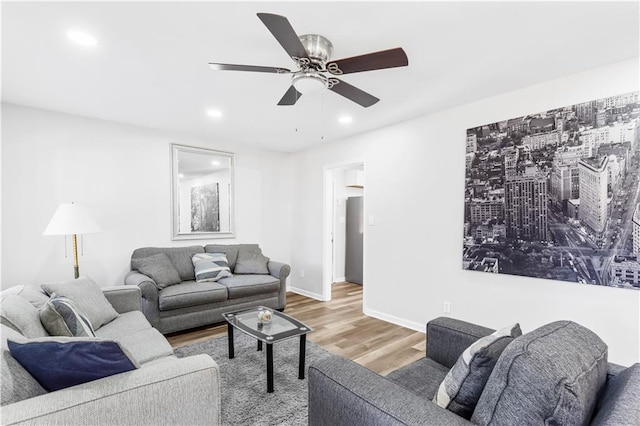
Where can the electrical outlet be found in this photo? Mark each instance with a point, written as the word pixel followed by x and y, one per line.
pixel 302 273
pixel 446 307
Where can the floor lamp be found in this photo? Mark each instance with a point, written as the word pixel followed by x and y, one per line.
pixel 71 219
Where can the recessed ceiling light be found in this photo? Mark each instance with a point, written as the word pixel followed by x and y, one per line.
pixel 215 163
pixel 82 38
pixel 180 175
pixel 214 113
pixel 345 119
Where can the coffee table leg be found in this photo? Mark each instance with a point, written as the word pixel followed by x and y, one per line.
pixel 259 345
pixel 269 368
pixel 230 338
pixel 303 344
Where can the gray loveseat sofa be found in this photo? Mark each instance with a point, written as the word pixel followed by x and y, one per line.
pixel 555 375
pixel 164 390
pixel 190 304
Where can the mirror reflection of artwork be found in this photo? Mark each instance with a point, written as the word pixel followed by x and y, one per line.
pixel 205 208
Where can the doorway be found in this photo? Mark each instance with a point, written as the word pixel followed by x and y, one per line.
pixel 343 244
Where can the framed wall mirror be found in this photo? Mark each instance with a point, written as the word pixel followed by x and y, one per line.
pixel 202 193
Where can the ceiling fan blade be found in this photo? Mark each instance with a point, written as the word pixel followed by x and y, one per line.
pixel 291 97
pixel 353 93
pixel 284 33
pixel 371 61
pixel 253 68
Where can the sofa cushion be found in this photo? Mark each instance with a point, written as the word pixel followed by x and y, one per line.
pixel 551 375
pixel 17 383
pixel 251 263
pixel 232 250
pixel 16 312
pixel 421 377
pixel 61 362
pixel 249 285
pixel 191 293
pixel 127 323
pixel 61 317
pixel 180 258
pixel 146 345
pixel 620 403
pixel 210 266
pixel 88 296
pixel 461 388
pixel 159 268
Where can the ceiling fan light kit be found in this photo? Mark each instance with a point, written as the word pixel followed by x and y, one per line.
pixel 312 53
pixel 309 82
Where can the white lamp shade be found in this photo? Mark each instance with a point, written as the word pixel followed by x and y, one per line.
pixel 71 219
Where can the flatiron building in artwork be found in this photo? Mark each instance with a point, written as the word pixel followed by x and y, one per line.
pixel 593 177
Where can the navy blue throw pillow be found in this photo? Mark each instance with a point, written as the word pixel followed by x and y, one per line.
pixel 60 362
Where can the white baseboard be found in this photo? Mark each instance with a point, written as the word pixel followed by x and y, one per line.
pixel 395 320
pixel 307 293
pixel 339 280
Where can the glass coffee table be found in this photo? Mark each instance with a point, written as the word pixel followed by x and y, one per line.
pixel 281 327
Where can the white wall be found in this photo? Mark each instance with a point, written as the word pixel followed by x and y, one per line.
pixel 122 175
pixel 413 253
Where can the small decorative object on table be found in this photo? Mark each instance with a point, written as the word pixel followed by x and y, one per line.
pixel 264 316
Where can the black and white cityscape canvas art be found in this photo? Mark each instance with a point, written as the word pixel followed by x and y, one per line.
pixel 205 208
pixel 556 194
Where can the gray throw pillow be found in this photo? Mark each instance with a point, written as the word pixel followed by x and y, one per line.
pixel 552 375
pixel 17 313
pixel 159 268
pixel 61 317
pixel 88 297
pixel 460 390
pixel 251 263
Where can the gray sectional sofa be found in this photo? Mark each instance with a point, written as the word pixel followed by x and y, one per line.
pixel 163 390
pixel 557 374
pixel 190 304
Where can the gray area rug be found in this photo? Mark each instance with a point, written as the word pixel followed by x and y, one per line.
pixel 245 400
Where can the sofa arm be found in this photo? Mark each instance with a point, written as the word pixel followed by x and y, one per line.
pixel 123 298
pixel 150 304
pixel 342 392
pixel 447 338
pixel 176 391
pixel 280 271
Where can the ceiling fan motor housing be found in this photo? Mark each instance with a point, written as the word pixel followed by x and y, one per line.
pixel 318 48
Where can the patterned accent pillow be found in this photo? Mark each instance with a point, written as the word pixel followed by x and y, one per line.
pixel 60 362
pixel 460 390
pixel 210 266
pixel 62 317
pixel 251 263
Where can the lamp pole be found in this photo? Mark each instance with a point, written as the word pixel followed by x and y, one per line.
pixel 76 267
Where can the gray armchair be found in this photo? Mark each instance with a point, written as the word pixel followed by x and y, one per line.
pixel 342 392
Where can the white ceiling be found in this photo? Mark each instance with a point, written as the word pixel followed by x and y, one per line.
pixel 150 65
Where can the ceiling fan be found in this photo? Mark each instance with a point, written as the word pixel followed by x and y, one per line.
pixel 312 54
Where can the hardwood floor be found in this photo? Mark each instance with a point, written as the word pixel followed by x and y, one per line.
pixel 341 328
